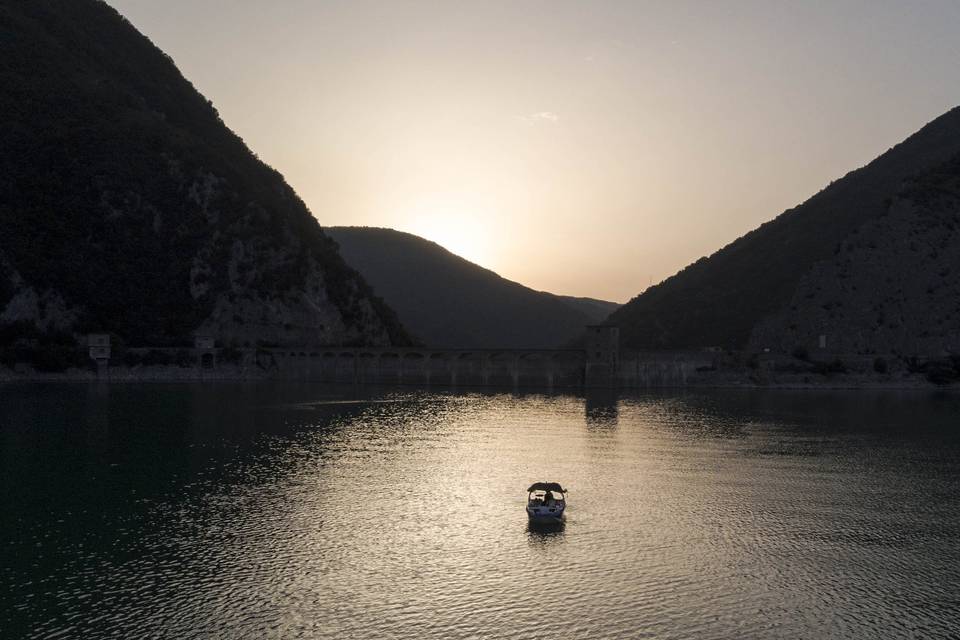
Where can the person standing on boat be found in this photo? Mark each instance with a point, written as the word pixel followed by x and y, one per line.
pixel 548 497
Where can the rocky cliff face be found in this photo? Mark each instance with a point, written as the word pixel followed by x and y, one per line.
pixel 127 206
pixel 891 286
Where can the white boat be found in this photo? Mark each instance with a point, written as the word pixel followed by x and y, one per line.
pixel 546 501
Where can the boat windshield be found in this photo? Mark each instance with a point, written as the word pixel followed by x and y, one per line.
pixel 540 495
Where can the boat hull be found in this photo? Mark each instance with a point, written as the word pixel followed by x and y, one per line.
pixel 544 514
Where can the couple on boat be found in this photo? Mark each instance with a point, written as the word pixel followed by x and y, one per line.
pixel 548 498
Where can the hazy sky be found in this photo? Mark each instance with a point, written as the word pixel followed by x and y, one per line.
pixel 583 147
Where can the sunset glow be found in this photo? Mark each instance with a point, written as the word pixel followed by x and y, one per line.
pixel 406 319
pixel 581 148
pixel 459 223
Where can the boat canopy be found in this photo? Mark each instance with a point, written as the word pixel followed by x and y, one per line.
pixel 546 486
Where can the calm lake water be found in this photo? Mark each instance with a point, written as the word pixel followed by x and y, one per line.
pixel 252 511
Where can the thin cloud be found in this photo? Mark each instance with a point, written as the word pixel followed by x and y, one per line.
pixel 548 117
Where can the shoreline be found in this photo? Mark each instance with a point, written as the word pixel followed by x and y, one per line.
pixel 731 380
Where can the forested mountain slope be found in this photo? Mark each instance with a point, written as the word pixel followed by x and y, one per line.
pixel 446 301
pixel 765 288
pixel 127 206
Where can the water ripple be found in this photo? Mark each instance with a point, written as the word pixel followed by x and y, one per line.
pixel 298 512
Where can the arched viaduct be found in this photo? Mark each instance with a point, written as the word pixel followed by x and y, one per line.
pixel 456 367
pixel 543 368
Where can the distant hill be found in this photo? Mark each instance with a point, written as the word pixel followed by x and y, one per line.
pixel 596 309
pixel 127 206
pixel 871 262
pixel 447 301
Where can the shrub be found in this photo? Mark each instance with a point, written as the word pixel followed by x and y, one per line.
pixel 47 359
pixel 837 366
pixel 828 368
pixel 155 357
pixel 231 355
pixel 880 365
pixel 183 359
pixel 940 372
pixel 792 367
pixel 913 364
pixel 55 359
pixel 800 353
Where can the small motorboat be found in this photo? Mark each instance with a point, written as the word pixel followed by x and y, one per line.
pixel 546 501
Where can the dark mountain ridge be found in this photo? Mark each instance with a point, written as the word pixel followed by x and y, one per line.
pixel 446 301
pixel 596 309
pixel 721 300
pixel 127 206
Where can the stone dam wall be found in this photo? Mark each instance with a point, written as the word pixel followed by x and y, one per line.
pixel 481 367
pixel 536 368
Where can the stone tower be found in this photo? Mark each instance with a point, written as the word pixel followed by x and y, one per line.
pixel 602 346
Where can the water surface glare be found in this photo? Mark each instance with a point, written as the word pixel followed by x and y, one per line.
pixel 285 511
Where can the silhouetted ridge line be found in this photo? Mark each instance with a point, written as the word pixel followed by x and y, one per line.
pixel 127 206
pixel 722 300
pixel 447 301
